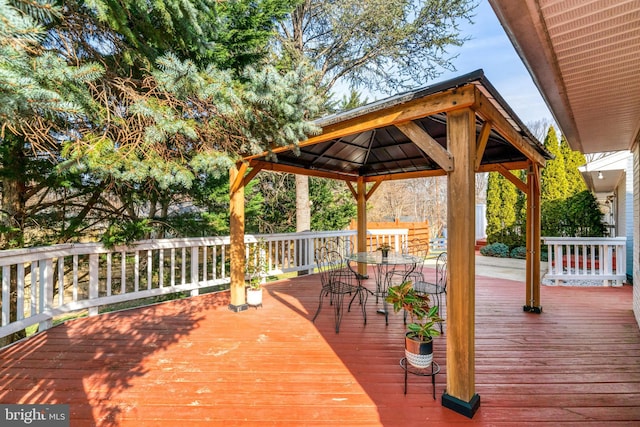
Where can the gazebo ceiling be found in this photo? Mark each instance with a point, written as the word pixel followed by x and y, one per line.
pixel 394 138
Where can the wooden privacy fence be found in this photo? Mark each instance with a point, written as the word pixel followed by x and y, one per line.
pixel 412 232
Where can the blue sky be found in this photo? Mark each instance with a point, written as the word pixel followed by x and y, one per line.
pixel 490 49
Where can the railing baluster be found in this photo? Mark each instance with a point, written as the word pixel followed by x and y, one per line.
pixel 172 280
pixel 136 271
pixel 21 282
pixel 34 288
pixel 149 269
pixel 94 267
pixel 214 262
pixel 75 278
pixel 184 266
pixel 6 301
pixel 123 272
pixel 46 296
pixel 194 269
pixel 60 281
pixel 108 284
pixel 204 263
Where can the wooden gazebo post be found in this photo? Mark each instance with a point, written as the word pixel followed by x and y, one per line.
pixel 236 231
pixel 533 240
pixel 460 395
pixel 362 221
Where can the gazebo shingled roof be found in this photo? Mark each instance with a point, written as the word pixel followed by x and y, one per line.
pixel 455 128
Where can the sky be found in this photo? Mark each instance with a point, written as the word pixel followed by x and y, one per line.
pixel 491 50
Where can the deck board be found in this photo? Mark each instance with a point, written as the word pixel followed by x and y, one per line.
pixel 193 363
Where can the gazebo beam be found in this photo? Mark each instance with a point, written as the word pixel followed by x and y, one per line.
pixel 497 167
pixel 483 138
pixel 298 170
pixel 427 144
pixel 490 113
pixel 442 102
pixel 521 185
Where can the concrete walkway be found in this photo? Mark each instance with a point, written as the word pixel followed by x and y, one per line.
pixel 501 268
pixel 504 268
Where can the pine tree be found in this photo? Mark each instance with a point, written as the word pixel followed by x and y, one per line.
pixel 162 115
pixel 37 88
pixel 567 208
pixel 573 160
pixel 554 184
pixel 503 210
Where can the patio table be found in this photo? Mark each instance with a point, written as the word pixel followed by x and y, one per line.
pixel 384 267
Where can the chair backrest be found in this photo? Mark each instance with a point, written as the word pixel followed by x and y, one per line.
pixel 441 271
pixel 341 245
pixel 420 249
pixel 328 261
pixel 320 256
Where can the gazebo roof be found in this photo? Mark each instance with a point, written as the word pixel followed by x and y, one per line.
pixel 393 138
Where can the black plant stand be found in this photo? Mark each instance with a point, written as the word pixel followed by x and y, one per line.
pixel 426 372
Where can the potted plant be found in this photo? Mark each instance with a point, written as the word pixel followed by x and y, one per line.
pixel 384 248
pixel 256 270
pixel 422 329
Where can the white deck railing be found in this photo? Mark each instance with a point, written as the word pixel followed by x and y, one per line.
pixel 587 258
pixel 59 279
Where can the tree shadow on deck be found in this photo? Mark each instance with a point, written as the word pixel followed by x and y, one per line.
pixel 370 352
pixel 89 363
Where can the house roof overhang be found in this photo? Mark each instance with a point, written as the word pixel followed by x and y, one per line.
pixel 405 136
pixel 584 58
pixel 605 174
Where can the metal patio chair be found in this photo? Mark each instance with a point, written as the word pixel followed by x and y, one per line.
pixel 438 288
pixel 337 281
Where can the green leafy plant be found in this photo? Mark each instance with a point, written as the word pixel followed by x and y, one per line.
pixel 423 316
pixel 499 250
pixel 384 247
pixel 256 267
pixel 519 252
pixel 125 232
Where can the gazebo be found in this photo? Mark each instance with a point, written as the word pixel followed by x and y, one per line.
pixel 456 128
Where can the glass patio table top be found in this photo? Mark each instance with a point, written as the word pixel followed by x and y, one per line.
pixel 393 258
pixel 384 271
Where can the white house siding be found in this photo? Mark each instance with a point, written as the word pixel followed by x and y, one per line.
pixel 481 221
pixel 636 232
pixel 628 214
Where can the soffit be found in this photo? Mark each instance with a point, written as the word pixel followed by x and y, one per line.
pixel 584 57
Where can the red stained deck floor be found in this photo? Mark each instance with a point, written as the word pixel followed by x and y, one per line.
pixel 195 363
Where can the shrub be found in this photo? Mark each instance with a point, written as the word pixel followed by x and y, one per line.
pixel 519 252
pixel 496 250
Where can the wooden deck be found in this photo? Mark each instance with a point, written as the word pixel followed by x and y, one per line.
pixel 195 363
